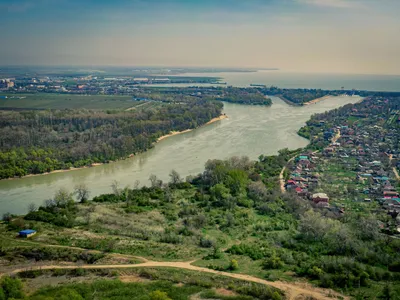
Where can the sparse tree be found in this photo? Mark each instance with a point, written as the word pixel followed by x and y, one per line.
pixel 175 177
pixel 32 207
pixel 155 182
pixel 115 187
pixel 82 192
pixel 7 217
pixel 136 184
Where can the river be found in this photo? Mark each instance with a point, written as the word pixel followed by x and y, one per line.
pixel 249 130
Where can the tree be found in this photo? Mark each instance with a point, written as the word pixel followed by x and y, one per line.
pixel 220 192
pixel 158 295
pixel 12 288
pixel 387 293
pixel 257 191
pixel 82 192
pixel 175 177
pixel 62 198
pixel 115 188
pixel 136 184
pixel 155 182
pixel 7 217
pixel 32 207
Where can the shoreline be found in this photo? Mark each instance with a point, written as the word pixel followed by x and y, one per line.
pixel 288 102
pixel 221 117
pixel 317 100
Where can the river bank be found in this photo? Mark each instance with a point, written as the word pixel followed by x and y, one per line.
pixel 221 117
pixel 317 100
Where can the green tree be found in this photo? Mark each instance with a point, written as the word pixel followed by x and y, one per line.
pixel 220 193
pixel 12 288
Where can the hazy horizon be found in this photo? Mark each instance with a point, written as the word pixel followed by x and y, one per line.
pixel 310 36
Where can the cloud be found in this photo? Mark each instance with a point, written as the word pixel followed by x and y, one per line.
pixel 332 3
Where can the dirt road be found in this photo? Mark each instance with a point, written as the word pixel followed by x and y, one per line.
pixel 396 173
pixel 292 290
pixel 281 179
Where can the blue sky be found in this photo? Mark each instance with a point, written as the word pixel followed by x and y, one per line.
pixel 345 36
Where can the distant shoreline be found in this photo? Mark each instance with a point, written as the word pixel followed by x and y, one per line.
pixel 221 117
pixel 288 101
pixel 317 100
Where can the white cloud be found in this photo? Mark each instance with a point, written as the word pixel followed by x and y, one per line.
pixel 333 3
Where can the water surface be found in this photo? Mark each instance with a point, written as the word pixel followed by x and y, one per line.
pixel 284 79
pixel 250 130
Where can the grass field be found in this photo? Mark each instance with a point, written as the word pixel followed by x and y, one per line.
pixel 63 101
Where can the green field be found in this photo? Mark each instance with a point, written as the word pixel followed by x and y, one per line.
pixel 63 101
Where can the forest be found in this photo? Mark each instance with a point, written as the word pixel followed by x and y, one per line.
pixel 248 96
pixel 39 141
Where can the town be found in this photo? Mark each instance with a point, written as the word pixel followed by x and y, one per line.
pixel 356 166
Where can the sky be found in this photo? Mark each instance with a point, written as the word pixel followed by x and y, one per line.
pixel 329 36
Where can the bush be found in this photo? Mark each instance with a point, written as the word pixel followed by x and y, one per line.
pixel 171 238
pixel 158 295
pixel 206 243
pixel 234 265
pixel 252 251
pixel 273 262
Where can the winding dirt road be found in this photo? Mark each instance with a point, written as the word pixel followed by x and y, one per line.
pixel 292 291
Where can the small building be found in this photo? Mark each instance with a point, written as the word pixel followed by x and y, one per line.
pixel 27 233
pixel 320 197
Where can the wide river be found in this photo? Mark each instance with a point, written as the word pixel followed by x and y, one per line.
pixel 249 130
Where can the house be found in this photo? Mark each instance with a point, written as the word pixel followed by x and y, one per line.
pixel 320 197
pixel 390 194
pixel 27 233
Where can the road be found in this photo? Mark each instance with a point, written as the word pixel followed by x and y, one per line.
pixel 281 178
pixel 396 173
pixel 292 291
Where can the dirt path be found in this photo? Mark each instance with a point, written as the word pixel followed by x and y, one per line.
pixel 396 173
pixel 336 137
pixel 134 107
pixel 293 291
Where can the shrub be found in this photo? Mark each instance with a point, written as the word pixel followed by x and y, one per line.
pixel 273 262
pixel 234 265
pixel 206 243
pixel 158 295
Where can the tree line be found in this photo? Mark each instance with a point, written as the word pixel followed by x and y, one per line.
pixel 34 142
